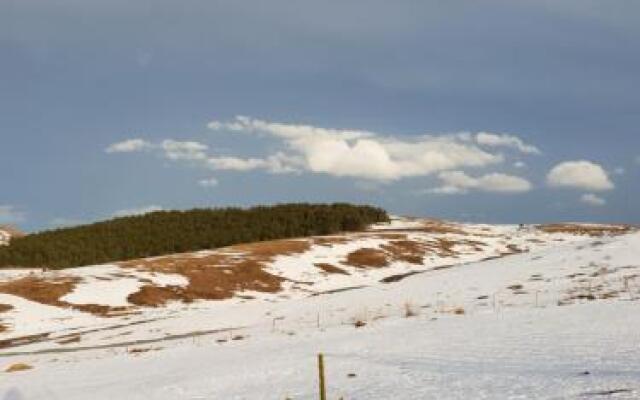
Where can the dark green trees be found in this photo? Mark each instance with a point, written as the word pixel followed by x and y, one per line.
pixel 166 232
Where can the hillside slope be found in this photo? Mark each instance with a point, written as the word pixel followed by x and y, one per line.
pixel 410 309
pixel 7 233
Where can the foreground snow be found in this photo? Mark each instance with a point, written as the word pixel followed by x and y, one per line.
pixel 559 322
pixel 532 354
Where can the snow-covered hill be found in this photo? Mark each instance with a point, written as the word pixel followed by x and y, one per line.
pixel 5 237
pixel 8 232
pixel 411 309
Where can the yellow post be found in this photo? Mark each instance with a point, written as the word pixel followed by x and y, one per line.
pixel 323 390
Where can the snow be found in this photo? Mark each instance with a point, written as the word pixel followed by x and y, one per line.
pixel 511 342
pixel 5 237
pixel 95 289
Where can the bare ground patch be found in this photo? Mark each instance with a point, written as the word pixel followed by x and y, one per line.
pixel 408 251
pixel 367 258
pixel 331 269
pixel 218 275
pixel 49 291
pixel 588 230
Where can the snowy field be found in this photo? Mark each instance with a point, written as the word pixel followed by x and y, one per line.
pixel 557 319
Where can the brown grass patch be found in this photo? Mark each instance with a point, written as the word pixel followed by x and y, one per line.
pixel 331 269
pixel 272 248
pixel 367 258
pixel 588 230
pixel 406 250
pixel 331 240
pixel 141 350
pixel 18 367
pixel 430 226
pixel 70 340
pixel 40 290
pixel 23 340
pixel 435 226
pixel 49 292
pixel 216 276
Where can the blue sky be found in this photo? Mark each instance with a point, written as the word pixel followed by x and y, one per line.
pixel 494 111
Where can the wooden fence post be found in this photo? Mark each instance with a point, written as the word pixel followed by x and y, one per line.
pixel 323 389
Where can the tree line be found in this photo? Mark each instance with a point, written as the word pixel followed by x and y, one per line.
pixel 166 232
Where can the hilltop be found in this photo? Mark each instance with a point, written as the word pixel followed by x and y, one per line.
pixel 7 233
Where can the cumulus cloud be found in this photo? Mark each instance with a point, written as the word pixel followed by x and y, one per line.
pixel 593 200
pixel 520 164
pixel 208 183
pixel 458 182
pixel 504 140
pixel 580 175
pixel 129 146
pixel 137 211
pixel 11 214
pixel 170 149
pixel 176 150
pixel 358 153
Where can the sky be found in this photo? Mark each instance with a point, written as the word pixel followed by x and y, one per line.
pixel 493 111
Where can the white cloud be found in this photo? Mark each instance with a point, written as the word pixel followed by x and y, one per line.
pixel 458 182
pixel 580 175
pixel 357 153
pixel 176 150
pixel 208 183
pixel 235 163
pixel 504 140
pixel 137 211
pixel 129 146
pixel 619 171
pixel 593 200
pixel 11 214
pixel 520 164
pixel 286 131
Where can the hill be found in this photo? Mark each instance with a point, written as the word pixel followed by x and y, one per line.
pixel 401 310
pixel 166 232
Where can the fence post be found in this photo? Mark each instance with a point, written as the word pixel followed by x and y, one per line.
pixel 323 390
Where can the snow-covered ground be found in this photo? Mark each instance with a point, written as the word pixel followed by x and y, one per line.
pixel 5 237
pixel 560 320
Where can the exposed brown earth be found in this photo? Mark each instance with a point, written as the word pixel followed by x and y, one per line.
pixel 433 226
pixel 218 275
pixel 590 230
pixel 367 258
pixel 331 240
pixel 406 250
pixel 18 367
pixel 23 340
pixel 331 269
pixel 409 251
pixel 50 291
pixel 40 290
